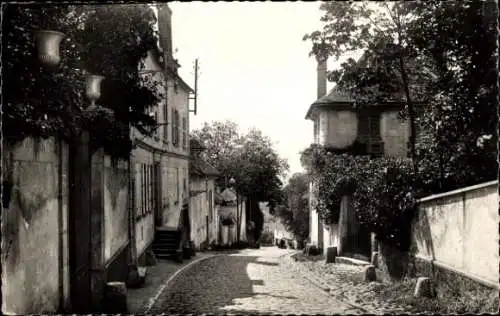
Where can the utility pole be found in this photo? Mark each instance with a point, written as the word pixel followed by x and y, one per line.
pixel 194 96
pixel 195 85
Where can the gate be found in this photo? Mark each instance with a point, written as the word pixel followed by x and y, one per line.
pixel 79 172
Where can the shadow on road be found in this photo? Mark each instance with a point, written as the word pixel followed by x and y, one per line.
pixel 210 286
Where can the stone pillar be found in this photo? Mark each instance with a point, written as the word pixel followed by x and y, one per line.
pixel 97 263
pixel 115 298
pixel 343 226
pixel 374 242
pixel 331 254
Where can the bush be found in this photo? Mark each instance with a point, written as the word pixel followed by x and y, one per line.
pixel 383 190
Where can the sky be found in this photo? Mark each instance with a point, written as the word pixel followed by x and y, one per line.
pixel 254 68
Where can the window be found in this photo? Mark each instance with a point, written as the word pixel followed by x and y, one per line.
pixel 369 127
pixel 175 128
pixel 144 183
pixel 150 188
pixel 138 190
pixel 369 133
pixel 184 133
pixel 146 189
pixel 143 190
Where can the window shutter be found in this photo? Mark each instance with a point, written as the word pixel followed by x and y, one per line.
pixel 177 129
pixel 173 127
pixel 137 191
pixel 374 126
pixel 143 191
pixel 151 192
pixel 184 132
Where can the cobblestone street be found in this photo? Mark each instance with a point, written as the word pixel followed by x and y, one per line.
pixel 250 282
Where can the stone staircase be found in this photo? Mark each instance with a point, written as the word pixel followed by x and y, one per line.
pixel 166 243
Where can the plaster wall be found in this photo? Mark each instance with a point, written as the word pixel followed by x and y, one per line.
pixel 460 229
pixel 337 129
pixel 395 133
pixel 144 225
pixel 177 174
pixel 116 218
pixel 34 272
pixel 199 209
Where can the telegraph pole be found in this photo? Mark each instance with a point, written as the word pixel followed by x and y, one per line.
pixel 194 96
pixel 195 85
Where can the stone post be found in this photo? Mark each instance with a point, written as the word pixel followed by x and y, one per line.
pixel 98 280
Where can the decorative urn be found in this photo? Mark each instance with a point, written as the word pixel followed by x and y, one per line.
pixel 93 88
pixel 47 44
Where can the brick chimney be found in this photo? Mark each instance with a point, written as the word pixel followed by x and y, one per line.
pixel 321 73
pixel 165 32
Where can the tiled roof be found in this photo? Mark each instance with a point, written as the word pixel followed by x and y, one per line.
pixel 194 144
pixel 337 97
pixel 198 166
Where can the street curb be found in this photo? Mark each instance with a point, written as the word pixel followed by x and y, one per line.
pixel 327 288
pixel 153 300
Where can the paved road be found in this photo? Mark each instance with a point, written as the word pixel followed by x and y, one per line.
pixel 250 282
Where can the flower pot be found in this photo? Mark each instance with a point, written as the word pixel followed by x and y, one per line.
pixel 47 44
pixel 93 87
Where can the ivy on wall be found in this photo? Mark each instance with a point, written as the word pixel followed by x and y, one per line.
pixel 384 190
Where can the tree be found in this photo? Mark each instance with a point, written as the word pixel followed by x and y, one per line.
pixel 109 40
pixel 221 140
pixel 439 53
pixel 250 159
pixel 294 211
pixel 389 70
pixel 460 39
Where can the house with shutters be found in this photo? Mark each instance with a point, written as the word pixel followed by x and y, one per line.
pixel 160 164
pixel 340 126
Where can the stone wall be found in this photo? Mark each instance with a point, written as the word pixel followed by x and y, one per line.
pixel 35 277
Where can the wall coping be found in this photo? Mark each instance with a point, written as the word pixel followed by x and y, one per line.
pixel 458 191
